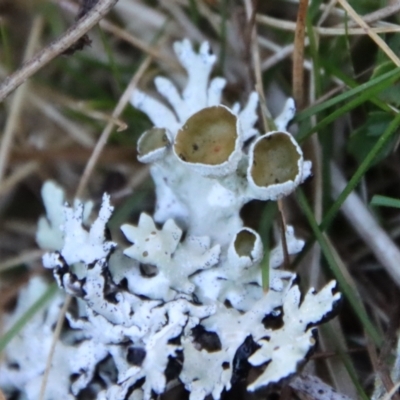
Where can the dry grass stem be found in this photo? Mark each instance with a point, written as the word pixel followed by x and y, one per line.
pixel 17 102
pixel 75 32
pixel 332 31
pixel 280 55
pixel 25 257
pixel 19 175
pixel 124 99
pixel 124 35
pixel 298 55
pixel 392 392
pixel 380 372
pixel 377 39
pixel 379 14
pixel 326 12
pixel 74 155
pixel 362 221
pixel 256 64
pixel 76 132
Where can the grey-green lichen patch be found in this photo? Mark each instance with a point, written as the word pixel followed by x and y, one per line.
pixel 207 137
pixel 275 160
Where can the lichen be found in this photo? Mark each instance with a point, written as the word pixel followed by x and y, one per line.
pixel 184 301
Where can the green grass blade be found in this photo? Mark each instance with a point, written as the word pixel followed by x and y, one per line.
pixel 384 201
pixel 264 229
pixel 194 12
pixel 111 59
pixel 362 98
pixel 345 358
pixel 362 169
pixel 5 41
pixel 28 314
pixel 344 286
pixel 351 83
pixel 371 87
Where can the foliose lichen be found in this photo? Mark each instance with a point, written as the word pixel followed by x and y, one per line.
pixel 184 302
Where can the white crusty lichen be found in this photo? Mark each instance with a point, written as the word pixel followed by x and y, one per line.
pixel 197 151
pixel 184 302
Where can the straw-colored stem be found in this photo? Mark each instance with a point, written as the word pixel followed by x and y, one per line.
pixel 109 127
pixel 324 31
pixel 17 101
pixel 25 257
pixel 19 175
pixel 374 36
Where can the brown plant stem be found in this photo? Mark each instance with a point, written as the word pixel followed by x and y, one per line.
pixel 298 55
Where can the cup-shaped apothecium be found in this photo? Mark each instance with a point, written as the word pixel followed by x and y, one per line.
pixel 152 145
pixel 209 141
pixel 247 243
pixel 275 166
pixel 246 249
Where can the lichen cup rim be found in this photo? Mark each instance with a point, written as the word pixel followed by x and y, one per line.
pixel 162 142
pixel 275 191
pixel 245 257
pixel 228 148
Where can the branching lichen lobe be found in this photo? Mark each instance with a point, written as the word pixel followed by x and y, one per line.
pixel 184 301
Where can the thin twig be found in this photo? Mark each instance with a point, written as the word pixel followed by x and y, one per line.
pixel 394 389
pixel 381 370
pixel 126 36
pixel 78 133
pixel 25 257
pixel 19 175
pixel 75 32
pixel 17 101
pixel 380 14
pixel 326 12
pixel 298 55
pixel 109 127
pixel 377 39
pixel 279 56
pixel 286 25
pixel 82 107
